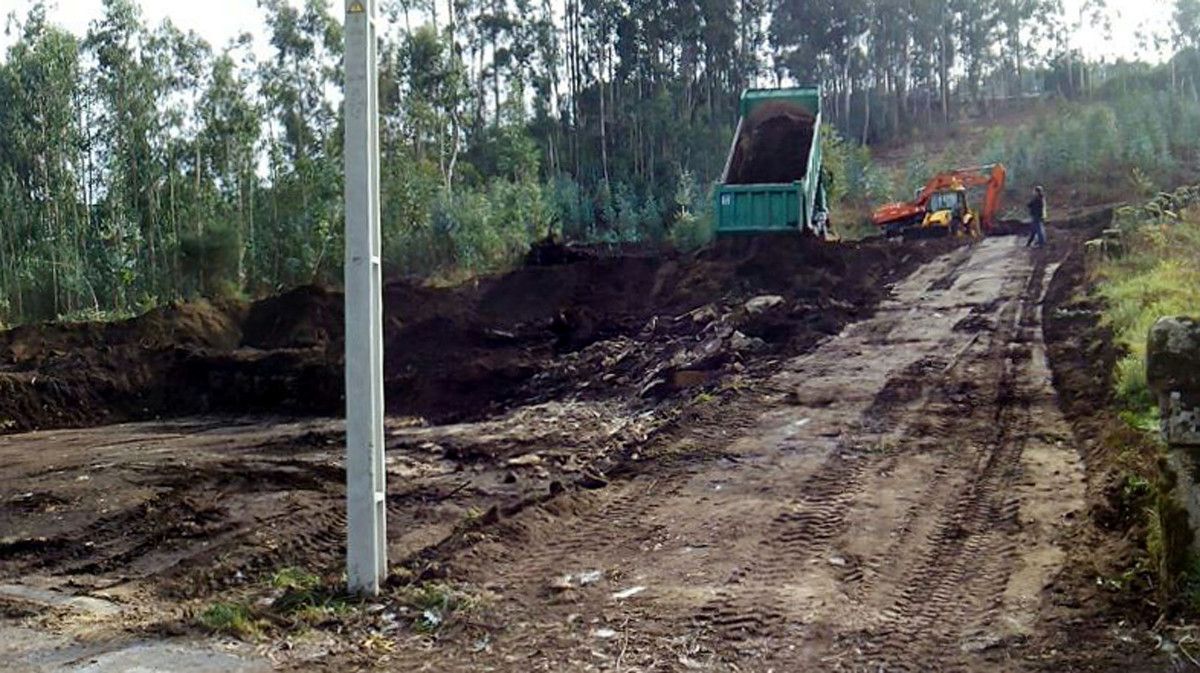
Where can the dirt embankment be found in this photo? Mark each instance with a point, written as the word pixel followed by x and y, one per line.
pixel 1102 578
pixel 594 325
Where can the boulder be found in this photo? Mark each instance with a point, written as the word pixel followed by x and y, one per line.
pixel 1173 355
pixel 1173 373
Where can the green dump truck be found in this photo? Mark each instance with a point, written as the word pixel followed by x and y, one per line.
pixel 772 180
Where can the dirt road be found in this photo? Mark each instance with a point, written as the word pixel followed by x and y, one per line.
pixel 896 496
pixel 898 504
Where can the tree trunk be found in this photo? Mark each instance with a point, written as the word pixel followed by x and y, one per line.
pixel 944 81
pixel 866 114
pixel 603 126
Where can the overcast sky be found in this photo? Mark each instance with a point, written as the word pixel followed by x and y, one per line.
pixel 218 21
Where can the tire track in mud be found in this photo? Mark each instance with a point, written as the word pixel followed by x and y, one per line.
pixel 750 606
pixel 929 427
pixel 780 585
pixel 968 559
pixel 177 531
pixel 535 549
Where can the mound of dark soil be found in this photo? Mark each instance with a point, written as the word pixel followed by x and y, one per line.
pixel 552 328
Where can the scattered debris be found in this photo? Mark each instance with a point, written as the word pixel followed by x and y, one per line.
pixel 628 593
pixel 763 303
pixel 590 577
pixel 528 459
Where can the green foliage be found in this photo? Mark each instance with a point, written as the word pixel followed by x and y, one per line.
pixel 233 619
pixel 305 597
pixel 1130 141
pixel 209 260
pixel 138 164
pixel 1143 419
pixel 854 177
pixel 1135 488
pixel 1168 546
pixel 1158 275
pixel 693 225
pixel 295 579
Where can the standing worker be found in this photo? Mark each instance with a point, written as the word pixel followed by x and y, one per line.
pixel 1037 215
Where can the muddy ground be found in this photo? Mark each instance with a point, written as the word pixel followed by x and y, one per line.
pixel 774 455
pixel 457 353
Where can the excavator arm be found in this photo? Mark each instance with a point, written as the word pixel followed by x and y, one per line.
pixel 993 178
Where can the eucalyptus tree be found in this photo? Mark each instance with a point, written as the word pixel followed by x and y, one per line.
pixel 298 86
pixel 230 128
pixel 128 90
pixel 43 244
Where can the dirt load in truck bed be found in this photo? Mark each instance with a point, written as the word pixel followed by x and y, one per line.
pixel 773 145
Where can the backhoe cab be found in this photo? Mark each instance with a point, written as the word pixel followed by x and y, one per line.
pixel 949 212
pixel 942 207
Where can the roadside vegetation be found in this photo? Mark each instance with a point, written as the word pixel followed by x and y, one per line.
pixel 139 164
pixel 293 600
pixel 1151 270
pixel 1156 274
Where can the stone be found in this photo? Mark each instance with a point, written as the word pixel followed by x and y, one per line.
pixel 742 343
pixel 1173 373
pixel 1173 355
pixel 763 303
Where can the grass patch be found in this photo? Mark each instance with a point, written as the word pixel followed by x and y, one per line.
pixel 295 579
pixel 1159 275
pixel 306 598
pixel 231 619
pixel 437 604
pixel 1156 273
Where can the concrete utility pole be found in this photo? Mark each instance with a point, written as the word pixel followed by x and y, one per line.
pixel 366 488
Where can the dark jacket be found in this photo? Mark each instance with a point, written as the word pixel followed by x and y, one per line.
pixel 1037 208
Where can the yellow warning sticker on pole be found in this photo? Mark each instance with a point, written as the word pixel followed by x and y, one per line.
pixel 356 8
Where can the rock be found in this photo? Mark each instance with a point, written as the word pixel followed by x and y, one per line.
pixel 1173 373
pixel 528 459
pixel 742 343
pixel 763 303
pixel 591 480
pixel 708 351
pixel 704 314
pixel 1173 355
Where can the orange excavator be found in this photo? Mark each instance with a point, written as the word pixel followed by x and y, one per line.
pixel 941 207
